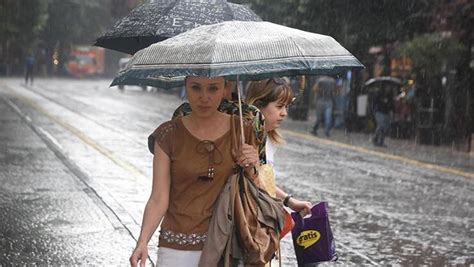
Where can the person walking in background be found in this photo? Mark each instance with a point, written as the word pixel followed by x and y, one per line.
pixel 383 107
pixel 324 90
pixel 29 69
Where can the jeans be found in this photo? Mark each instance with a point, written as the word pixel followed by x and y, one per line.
pixel 29 76
pixel 324 109
pixel 383 125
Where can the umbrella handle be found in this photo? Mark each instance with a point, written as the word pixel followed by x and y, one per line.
pixel 242 136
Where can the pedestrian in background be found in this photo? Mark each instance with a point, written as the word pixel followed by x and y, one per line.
pixel 324 92
pixel 192 161
pixel 29 69
pixel 383 107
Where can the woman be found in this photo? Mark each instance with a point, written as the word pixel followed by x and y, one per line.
pixel 272 97
pixel 192 161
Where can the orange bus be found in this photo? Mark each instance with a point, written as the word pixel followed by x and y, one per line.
pixel 86 61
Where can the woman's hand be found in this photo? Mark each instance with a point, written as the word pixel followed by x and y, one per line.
pixel 139 255
pixel 248 158
pixel 304 207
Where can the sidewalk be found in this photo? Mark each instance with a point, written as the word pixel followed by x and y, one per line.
pixel 444 156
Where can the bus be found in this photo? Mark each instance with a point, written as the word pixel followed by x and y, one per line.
pixel 86 61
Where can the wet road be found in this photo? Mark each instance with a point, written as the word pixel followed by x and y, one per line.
pixel 383 211
pixel 48 215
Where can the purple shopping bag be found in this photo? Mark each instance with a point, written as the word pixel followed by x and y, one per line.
pixel 312 236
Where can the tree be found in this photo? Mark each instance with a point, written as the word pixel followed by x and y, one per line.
pixel 357 25
pixel 20 25
pixel 72 22
pixel 435 59
pixel 78 22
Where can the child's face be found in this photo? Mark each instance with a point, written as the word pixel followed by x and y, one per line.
pixel 275 112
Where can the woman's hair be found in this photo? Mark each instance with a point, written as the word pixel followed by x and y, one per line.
pixel 261 93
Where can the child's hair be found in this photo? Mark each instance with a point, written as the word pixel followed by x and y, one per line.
pixel 261 93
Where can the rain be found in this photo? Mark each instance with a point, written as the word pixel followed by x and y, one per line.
pixel 392 153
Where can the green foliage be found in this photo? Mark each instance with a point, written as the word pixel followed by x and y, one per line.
pixel 357 25
pixel 22 21
pixel 76 21
pixel 43 26
pixel 433 53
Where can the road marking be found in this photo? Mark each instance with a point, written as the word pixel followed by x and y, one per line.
pixel 380 154
pixel 47 134
pixel 138 174
pixel 109 127
pixel 103 199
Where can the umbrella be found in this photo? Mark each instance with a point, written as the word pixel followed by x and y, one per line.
pixel 379 84
pixel 156 21
pixel 250 50
pixel 385 79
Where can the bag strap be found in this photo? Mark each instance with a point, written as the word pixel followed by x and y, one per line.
pixel 233 194
pixel 279 254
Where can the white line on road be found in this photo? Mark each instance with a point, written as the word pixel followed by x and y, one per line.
pixel 137 174
pixel 381 154
pixel 105 125
pixel 111 208
pixel 50 137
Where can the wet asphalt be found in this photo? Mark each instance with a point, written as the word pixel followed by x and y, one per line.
pixel 75 175
pixel 49 215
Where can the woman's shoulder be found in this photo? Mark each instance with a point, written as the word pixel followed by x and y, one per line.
pixel 236 120
pixel 168 126
pixel 253 121
pixel 163 132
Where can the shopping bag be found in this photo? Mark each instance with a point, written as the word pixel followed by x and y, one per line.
pixel 288 224
pixel 312 236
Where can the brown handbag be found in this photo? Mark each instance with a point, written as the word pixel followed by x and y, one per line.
pixel 258 219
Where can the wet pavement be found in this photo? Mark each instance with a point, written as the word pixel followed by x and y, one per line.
pixel 76 175
pixel 441 155
pixel 49 216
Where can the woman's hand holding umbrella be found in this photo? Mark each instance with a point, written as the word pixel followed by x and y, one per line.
pixel 248 159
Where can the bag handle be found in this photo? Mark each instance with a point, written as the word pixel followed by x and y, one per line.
pixel 299 222
pixel 317 211
pixel 233 194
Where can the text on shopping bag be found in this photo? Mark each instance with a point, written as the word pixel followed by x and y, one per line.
pixel 308 238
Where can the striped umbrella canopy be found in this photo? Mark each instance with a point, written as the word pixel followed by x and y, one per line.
pixel 159 20
pixel 249 50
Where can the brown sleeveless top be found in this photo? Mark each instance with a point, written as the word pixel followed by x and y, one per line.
pixel 192 193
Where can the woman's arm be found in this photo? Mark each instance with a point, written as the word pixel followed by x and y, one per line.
pixel 156 206
pixel 297 205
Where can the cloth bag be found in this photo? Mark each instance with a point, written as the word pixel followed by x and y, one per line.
pixel 312 236
pixel 266 175
pixel 246 222
pixel 259 220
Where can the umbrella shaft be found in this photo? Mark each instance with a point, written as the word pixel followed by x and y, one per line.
pixel 242 136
